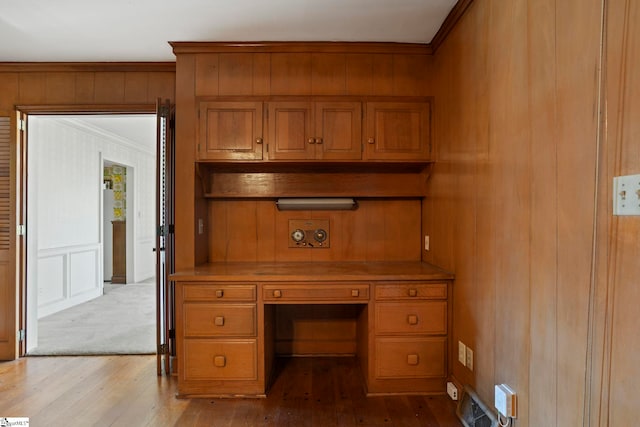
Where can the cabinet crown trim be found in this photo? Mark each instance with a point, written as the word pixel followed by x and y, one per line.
pixel 302 47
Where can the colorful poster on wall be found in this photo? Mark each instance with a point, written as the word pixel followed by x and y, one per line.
pixel 116 177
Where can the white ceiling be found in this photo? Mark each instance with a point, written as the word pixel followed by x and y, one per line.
pixel 138 30
pixel 137 130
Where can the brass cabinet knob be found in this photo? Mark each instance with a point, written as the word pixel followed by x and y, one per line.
pixel 312 140
pixel 220 361
pixel 371 140
pixel 355 292
pixel 318 140
pixel 277 293
pixel 219 293
pixel 413 292
pixel 412 319
pixel 219 321
pixel 258 140
pixel 413 359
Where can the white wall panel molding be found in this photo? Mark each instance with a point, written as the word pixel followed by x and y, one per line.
pixel 67 276
pixel 52 279
pixel 146 266
pixel 84 273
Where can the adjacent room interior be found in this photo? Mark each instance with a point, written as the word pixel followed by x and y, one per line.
pixel 91 216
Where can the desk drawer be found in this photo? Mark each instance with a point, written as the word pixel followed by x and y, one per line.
pixel 410 357
pixel 411 291
pixel 220 359
pixel 213 320
pixel 424 317
pixel 218 292
pixel 317 292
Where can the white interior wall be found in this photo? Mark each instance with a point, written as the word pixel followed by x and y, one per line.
pixel 65 210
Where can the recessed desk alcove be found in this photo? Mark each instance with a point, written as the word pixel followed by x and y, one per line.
pixel 259 122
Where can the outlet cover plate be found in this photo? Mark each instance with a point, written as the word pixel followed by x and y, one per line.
pixel 469 359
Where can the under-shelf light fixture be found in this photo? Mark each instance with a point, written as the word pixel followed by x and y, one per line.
pixel 316 203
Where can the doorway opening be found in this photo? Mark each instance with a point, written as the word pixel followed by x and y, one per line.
pixel 73 304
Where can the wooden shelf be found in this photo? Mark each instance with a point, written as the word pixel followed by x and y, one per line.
pixel 312 179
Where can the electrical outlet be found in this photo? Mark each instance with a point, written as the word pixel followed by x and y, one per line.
pixel 452 391
pixel 462 353
pixel 505 400
pixel 426 243
pixel 469 359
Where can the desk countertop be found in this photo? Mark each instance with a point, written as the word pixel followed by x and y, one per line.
pixel 311 271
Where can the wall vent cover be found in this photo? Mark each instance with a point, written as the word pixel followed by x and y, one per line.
pixel 473 412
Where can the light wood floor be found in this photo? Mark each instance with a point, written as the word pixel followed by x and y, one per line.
pixel 124 391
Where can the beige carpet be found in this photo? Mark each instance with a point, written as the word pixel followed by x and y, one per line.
pixel 123 321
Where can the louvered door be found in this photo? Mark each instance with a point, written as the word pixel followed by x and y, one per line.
pixel 5 186
pixel 7 244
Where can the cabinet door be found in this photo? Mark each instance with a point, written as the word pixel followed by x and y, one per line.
pixel 290 131
pixel 230 131
pixel 398 131
pixel 338 130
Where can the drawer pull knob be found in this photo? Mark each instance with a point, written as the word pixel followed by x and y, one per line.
pixel 412 319
pixel 258 140
pixel 219 321
pixel 277 293
pixel 312 141
pixel 355 292
pixel 413 292
pixel 371 141
pixel 318 140
pixel 413 359
pixel 219 293
pixel 219 361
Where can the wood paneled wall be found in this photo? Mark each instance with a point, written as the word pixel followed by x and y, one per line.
pixel 256 231
pixel 84 84
pixel 370 69
pixel 520 206
pixel 66 87
pixel 616 339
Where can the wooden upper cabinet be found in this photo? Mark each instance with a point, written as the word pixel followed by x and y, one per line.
pixel 398 131
pixel 315 130
pixel 230 131
pixel 290 130
pixel 338 130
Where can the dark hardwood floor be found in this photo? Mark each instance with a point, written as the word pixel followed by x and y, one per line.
pixel 124 391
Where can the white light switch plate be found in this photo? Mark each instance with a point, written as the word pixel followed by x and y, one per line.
pixel 462 353
pixel 626 195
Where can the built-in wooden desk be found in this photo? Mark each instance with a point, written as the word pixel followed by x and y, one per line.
pixel 226 320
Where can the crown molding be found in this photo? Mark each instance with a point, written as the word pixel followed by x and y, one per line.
pixel 449 23
pixel 39 67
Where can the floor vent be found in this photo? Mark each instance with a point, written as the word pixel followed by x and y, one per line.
pixel 473 412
